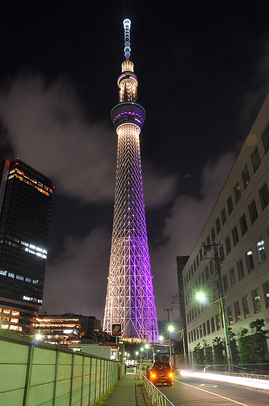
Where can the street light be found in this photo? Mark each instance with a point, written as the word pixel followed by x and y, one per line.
pixel 201 297
pixel 170 329
pixel 147 348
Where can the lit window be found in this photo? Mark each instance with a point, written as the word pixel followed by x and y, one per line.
pixel 5 326
pixel 12 327
pixel 21 278
pixel 260 250
pixel 35 281
pixel 12 320
pixel 11 275
pixel 15 313
pixel 28 280
pixel 3 272
pixel 6 311
pixel 249 260
pixel 256 300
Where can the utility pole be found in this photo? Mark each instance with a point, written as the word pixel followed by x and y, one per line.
pixel 170 345
pixel 217 263
pixel 176 299
pixel 168 313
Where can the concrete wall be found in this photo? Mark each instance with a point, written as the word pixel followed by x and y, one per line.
pixel 49 375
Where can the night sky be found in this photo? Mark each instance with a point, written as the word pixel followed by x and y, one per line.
pixel 203 72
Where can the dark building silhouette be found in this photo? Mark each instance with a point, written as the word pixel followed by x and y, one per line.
pixel 25 208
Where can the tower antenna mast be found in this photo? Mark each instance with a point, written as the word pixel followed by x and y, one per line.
pixel 127 38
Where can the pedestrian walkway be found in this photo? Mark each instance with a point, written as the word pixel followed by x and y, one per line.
pixel 128 391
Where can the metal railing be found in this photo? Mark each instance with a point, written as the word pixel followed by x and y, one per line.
pixel 156 396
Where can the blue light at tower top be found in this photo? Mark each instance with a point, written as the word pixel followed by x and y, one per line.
pixel 127 38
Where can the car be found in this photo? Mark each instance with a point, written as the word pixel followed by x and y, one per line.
pixel 161 373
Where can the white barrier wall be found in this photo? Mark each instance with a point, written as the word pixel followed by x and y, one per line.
pixel 49 375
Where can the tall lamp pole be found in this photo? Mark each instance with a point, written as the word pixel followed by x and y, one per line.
pixel 170 329
pixel 217 263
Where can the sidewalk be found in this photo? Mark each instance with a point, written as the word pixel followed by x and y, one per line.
pixel 129 391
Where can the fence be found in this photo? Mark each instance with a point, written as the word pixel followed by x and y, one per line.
pixel 156 396
pixel 34 374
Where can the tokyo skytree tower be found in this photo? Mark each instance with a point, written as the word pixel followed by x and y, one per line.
pixel 130 299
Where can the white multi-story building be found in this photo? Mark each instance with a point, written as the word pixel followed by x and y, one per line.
pixel 239 223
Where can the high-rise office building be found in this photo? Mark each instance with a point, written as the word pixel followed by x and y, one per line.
pixel 130 299
pixel 25 207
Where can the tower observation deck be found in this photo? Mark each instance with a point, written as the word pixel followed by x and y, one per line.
pixel 130 299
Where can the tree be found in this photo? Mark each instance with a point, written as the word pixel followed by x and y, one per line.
pixel 234 347
pixel 258 339
pixel 218 349
pixel 253 346
pixel 208 353
pixel 198 354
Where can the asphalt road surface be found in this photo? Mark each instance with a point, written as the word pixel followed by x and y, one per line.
pixel 188 391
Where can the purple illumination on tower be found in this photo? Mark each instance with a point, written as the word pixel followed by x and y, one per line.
pixel 130 299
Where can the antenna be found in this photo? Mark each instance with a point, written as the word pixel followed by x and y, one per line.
pixel 127 38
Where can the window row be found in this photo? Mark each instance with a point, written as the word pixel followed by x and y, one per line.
pixel 243 309
pixel 234 239
pixel 229 279
pixel 208 327
pixel 235 314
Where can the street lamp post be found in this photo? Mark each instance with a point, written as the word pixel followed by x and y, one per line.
pixel 221 300
pixel 147 348
pixel 170 329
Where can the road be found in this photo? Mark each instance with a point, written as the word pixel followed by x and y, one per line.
pixel 187 391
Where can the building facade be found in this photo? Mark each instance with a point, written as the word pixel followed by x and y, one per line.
pixel 25 207
pixel 64 328
pixel 236 233
pixel 130 299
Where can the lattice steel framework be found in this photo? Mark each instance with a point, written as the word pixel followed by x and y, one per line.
pixel 130 299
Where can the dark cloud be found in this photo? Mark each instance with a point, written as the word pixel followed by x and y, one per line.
pixel 76 281
pixel 46 129
pixel 182 228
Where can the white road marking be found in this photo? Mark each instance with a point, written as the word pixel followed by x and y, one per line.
pixel 211 393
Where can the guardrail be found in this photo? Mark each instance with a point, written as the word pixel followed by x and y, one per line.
pixel 157 397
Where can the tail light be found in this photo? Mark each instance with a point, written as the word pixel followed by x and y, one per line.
pixel 170 375
pixel 153 376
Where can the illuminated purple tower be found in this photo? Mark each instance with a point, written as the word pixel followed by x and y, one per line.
pixel 130 299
